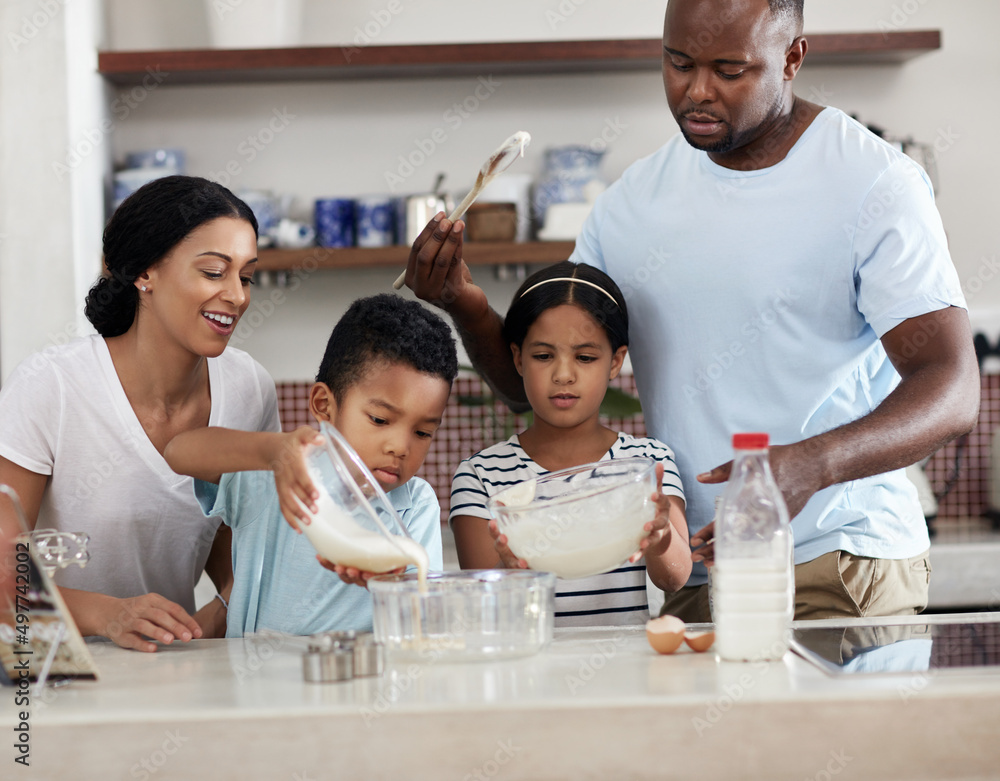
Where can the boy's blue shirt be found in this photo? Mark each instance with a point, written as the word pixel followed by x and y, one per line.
pixel 278 584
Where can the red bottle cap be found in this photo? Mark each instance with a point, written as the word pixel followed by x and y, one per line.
pixel 750 441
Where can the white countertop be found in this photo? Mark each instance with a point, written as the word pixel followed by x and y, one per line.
pixel 595 704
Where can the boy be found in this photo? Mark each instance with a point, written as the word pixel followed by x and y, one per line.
pixel 383 383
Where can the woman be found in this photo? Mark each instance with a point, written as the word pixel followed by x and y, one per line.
pixel 83 426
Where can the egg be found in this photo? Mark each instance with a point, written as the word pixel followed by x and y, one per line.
pixel 665 633
pixel 699 641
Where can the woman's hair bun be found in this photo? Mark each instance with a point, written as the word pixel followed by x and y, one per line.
pixel 111 306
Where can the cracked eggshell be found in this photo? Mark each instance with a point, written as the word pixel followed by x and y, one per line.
pixel 665 633
pixel 699 641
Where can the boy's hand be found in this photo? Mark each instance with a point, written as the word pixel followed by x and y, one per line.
pixel 660 530
pixel 507 557
pixel 296 491
pixel 352 575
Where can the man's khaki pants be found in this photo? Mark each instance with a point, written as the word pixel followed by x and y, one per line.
pixel 835 585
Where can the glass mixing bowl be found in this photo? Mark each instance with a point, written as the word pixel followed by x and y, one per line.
pixel 464 616
pixel 580 521
pixel 356 524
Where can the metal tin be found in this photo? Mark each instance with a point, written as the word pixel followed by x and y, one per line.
pixel 343 637
pixel 415 212
pixel 327 660
pixel 368 656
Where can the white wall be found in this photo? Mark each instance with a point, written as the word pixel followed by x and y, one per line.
pixel 52 158
pixel 344 137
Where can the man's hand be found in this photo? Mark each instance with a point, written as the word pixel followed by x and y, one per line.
pixel 795 468
pixel 798 475
pixel 703 545
pixel 436 272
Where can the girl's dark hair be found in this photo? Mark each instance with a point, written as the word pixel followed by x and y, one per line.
pixel 530 301
pixel 144 229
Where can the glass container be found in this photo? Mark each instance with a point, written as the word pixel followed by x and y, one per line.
pixel 464 616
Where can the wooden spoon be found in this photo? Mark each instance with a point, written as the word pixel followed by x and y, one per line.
pixel 499 162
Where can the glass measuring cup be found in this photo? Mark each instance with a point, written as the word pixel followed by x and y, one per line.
pixel 58 550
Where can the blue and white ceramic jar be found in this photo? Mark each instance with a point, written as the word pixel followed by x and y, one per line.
pixel 571 175
pixel 334 220
pixel 375 221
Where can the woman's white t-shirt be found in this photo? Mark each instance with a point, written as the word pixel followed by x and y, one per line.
pixel 64 413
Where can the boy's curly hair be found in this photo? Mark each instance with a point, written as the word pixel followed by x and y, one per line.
pixel 389 329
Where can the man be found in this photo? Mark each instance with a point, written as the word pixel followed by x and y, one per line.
pixel 785 271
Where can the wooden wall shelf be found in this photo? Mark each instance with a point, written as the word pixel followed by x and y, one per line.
pixel 222 66
pixel 476 254
pixel 312 63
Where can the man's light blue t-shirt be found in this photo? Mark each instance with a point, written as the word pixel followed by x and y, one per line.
pixel 757 300
pixel 278 584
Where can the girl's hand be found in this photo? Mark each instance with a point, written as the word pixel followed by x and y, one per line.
pixel 133 622
pixel 660 529
pixel 295 488
pixel 507 558
pixel 354 576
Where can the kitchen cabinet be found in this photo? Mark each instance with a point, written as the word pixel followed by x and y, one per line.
pixel 253 66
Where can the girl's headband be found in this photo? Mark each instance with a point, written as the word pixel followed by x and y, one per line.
pixel 570 279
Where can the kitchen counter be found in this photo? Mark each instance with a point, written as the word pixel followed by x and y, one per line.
pixel 595 704
pixel 965 559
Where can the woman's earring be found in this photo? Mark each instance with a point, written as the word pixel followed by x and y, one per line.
pixel 142 288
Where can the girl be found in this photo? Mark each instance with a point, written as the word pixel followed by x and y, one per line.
pixel 84 424
pixel 567 328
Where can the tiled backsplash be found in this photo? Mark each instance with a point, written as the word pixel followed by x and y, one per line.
pixel 966 646
pixel 473 421
pixel 970 493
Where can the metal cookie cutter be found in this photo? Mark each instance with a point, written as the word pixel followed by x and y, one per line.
pixel 368 658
